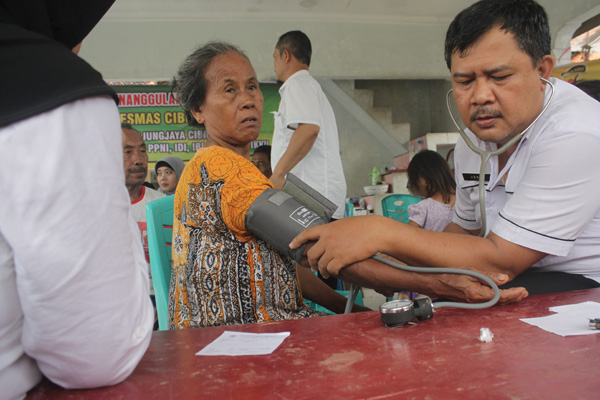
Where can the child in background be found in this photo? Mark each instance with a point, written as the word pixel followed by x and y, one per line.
pixel 429 176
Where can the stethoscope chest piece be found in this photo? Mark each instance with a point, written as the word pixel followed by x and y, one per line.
pixel 399 312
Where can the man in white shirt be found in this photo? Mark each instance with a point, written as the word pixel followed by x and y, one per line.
pixel 135 165
pixel 305 138
pixel 542 196
pixel 73 282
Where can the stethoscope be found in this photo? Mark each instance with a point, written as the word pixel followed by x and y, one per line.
pixel 486 155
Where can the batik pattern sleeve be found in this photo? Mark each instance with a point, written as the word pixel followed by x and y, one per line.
pixel 242 184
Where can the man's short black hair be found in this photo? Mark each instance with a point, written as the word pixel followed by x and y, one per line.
pixel 265 148
pixel 525 19
pixel 297 43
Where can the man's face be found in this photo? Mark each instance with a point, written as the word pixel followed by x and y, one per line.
pixel 261 160
pixel 496 88
pixel 135 158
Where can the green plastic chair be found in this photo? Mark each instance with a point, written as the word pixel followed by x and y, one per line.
pixel 395 206
pixel 159 224
pixel 349 210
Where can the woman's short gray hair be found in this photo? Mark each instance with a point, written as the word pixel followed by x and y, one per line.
pixel 190 84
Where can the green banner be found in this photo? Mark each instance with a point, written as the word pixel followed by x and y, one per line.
pixel 154 111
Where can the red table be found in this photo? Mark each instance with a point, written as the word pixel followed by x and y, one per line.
pixel 356 357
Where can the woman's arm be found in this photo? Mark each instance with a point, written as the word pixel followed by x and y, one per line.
pixel 373 274
pixel 314 289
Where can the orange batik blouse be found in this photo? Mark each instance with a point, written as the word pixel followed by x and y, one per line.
pixel 223 274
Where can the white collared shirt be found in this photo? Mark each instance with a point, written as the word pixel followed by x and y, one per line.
pixel 551 199
pixel 303 102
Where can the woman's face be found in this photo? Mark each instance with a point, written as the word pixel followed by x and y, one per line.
pixel 232 110
pixel 167 179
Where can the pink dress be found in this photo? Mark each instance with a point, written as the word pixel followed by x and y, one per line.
pixel 430 214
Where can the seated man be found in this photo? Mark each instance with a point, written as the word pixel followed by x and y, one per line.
pixel 542 195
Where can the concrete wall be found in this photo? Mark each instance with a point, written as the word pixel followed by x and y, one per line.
pixel 422 103
pixel 360 152
pixel 146 40
pixel 142 50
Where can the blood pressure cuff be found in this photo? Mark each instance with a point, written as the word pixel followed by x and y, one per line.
pixel 277 218
pixel 309 197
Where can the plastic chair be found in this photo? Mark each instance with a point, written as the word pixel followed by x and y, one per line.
pixel 159 224
pixel 395 206
pixel 349 211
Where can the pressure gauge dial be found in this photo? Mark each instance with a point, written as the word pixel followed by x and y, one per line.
pixel 398 312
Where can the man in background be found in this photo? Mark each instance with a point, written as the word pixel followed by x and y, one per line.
pixel 305 138
pixel 73 282
pixel 262 159
pixel 135 165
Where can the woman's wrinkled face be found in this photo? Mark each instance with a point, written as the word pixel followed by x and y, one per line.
pixel 166 178
pixel 233 107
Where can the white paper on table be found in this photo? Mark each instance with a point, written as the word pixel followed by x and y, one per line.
pixel 569 320
pixel 243 344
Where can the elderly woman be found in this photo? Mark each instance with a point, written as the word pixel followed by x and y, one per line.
pixel 223 274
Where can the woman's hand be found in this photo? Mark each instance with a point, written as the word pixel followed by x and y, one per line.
pixel 469 289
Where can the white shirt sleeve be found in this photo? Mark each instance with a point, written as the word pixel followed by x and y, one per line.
pixel 81 276
pixel 557 197
pixel 302 105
